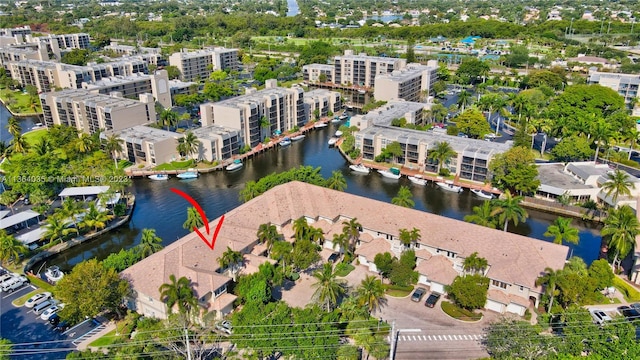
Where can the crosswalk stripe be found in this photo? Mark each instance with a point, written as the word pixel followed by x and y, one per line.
pixel 450 337
pixel 429 336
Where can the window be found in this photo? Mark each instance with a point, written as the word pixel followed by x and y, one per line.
pixel 521 288
pixel 499 284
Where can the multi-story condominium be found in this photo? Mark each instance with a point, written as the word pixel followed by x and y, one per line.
pixel 311 73
pixel 411 83
pixel 324 101
pixel 361 70
pixel 11 53
pixel 129 50
pixel 144 145
pixel 624 84
pixel 64 41
pixel 217 143
pixel 282 108
pixel 17 31
pixel 196 65
pixel 134 85
pixel 412 112
pixel 90 112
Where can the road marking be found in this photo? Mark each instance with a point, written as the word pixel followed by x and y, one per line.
pixel 450 338
pixel 15 292
pixel 445 337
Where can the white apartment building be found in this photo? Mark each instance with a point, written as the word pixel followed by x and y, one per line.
pixel 217 143
pixel 325 101
pixel 282 108
pixel 134 85
pixel 410 83
pixel 624 84
pixel 16 31
pixel 196 65
pixel 311 73
pixel 129 50
pixel 144 145
pixel 90 112
pixel 361 70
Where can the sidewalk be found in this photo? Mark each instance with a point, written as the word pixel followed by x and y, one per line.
pixel 110 326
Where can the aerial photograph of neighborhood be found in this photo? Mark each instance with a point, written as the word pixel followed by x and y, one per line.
pixel 319 179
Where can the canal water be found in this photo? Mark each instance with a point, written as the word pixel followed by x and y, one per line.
pixel 218 192
pixel 26 123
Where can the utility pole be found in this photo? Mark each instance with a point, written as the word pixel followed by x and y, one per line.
pixel 186 335
pixel 394 337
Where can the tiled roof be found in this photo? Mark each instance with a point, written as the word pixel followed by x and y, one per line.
pixel 438 269
pixel 377 246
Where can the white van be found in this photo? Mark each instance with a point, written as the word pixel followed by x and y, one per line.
pixel 8 282
pixel 40 308
pixel 13 286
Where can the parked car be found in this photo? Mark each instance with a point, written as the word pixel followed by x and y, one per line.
pixel 6 277
pixel 225 326
pixel 16 283
pixel 432 299
pixel 636 306
pixel 37 299
pixel 629 313
pixel 599 316
pixel 334 257
pixel 418 294
pixel 40 308
pixel 62 326
pixel 46 315
pixel 54 319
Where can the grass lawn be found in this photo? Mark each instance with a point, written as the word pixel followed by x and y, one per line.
pixel 43 285
pixel 21 104
pixel 32 137
pixel 629 292
pixel 175 165
pixel 343 269
pixel 108 339
pixel 397 291
pixel 23 299
pixel 459 313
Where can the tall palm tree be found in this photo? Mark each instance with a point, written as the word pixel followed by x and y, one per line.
pixel 94 218
pixel 10 248
pixel 265 124
pixel 491 103
pixel 336 181
pixel 618 183
pixel 561 230
pixel 19 144
pixel 84 143
pixel 474 263
pixel 316 235
pixel 8 198
pixel 113 146
pixel 342 241
pixel 550 282
pixel 168 117
pixel 632 135
pixel 178 291
pixel 404 198
pixel 231 259
pixel 328 287
pixel 370 293
pixel 69 209
pixel 150 243
pixel 351 229
pixel 190 143
pixel 268 234
pixel 408 237
pixel 194 220
pixel 43 146
pixel 442 153
pixel 601 133
pixel 56 228
pixel 13 126
pixel 519 104
pixel 621 227
pixel 464 99
pixel 508 209
pixel 301 228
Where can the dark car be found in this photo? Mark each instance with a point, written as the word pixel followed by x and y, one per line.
pixel 62 326
pixel 629 313
pixel 418 294
pixel 432 300
pixel 54 319
pixel 334 257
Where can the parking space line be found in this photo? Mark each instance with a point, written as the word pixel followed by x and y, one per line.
pixel 15 292
pixel 65 333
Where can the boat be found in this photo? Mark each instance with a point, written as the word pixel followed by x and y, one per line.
pixel 449 186
pixel 332 141
pixel 235 165
pixel 392 173
pixel 343 117
pixel 53 274
pixel 361 91
pixel 298 137
pixel 336 120
pixel 159 177
pixel 418 180
pixel 285 142
pixel 483 194
pixel 190 174
pixel 338 133
pixel 359 168
pixel 320 125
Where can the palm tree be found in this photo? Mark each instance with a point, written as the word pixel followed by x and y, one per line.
pixel 231 259
pixel 84 143
pixel 113 146
pixel 408 237
pixel 8 198
pixel 56 228
pixel 371 294
pixel 301 228
pixel 194 220
pixel 178 292
pixel 10 248
pixel 491 103
pixel 508 209
pixel 618 183
pixel 342 241
pixel 150 243
pixel 264 127
pixel 622 227
pixel 336 181
pixel 442 153
pixel 474 263
pixel 250 191
pixel 69 209
pixel 632 134
pixel 482 215
pixel 190 143
pixel 561 230
pixel 19 144
pixel 43 146
pixel 13 126
pixel 316 235
pixel 168 117
pixel 550 282
pixel 404 198
pixel 600 132
pixel 268 234
pixel 520 103
pixel 351 229
pixel 328 287
pixel 464 99
pixel 94 218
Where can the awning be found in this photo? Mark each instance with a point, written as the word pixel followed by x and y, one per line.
pixel 32 236
pixel 83 191
pixel 17 218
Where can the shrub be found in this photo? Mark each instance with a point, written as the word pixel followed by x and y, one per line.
pixel 459 313
pixel 629 292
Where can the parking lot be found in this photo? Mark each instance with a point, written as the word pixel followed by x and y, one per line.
pixel 34 338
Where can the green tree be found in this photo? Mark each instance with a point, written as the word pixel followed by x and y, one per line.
pixel 336 181
pixel 19 144
pixel 508 209
pixel 469 291
pixel 268 234
pixel 6 348
pixel 515 339
pixel 561 230
pixel 341 241
pixel 472 123
pixel 370 293
pixel 301 228
pixel 113 145
pixel 304 254
pixel 404 198
pixel 490 103
pixel 232 260
pixel 464 99
pixel 402 272
pixel 618 183
pixel 328 287
pixel 168 118
pixel 194 220
pixel 10 248
pixel 75 57
pixel 518 56
pixel 475 264
pixel 352 230
pixel 602 273
pixel 150 243
pixel 600 132
pixel 84 143
pixel 8 198
pixel 621 228
pixel 550 282
pixel 89 290
pixel 482 215
pixel 189 144
pixel 442 153
pixel 572 148
pixel 57 228
pixel 173 72
pixel 178 292
pixel 13 126
pixel 471 70
pixel 94 218
pixel 515 170
pixel 408 237
pixel 384 263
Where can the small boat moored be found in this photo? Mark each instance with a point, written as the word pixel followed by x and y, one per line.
pixel 285 142
pixel 332 141
pixel 343 117
pixel 320 125
pixel 339 133
pixel 392 173
pixel 53 274
pixel 189 174
pixel 483 194
pixel 159 177
pixel 359 168
pixel 418 180
pixel 449 186
pixel 235 165
pixel 298 137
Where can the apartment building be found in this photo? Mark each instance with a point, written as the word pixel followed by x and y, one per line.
pixel 324 101
pixel 134 85
pixel 624 84
pixel 361 70
pixel 412 112
pixel 196 65
pixel 282 108
pixel 217 143
pixel 411 83
pixel 311 73
pixel 16 31
pixel 144 145
pixel 89 112
pixel 129 50
pixel 9 54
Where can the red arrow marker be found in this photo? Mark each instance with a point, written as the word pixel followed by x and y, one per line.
pixel 198 208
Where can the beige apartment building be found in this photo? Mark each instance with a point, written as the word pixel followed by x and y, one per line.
pixel 311 73
pixel 282 108
pixel 144 145
pixel 411 83
pixel 627 85
pixel 198 65
pixel 361 70
pixel 89 112
pixel 324 101
pixel 133 86
pixel 217 143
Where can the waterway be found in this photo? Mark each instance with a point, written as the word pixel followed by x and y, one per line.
pixel 292 8
pixel 218 192
pixel 26 123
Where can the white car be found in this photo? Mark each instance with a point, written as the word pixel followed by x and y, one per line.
pixel 37 299
pixel 50 311
pixel 225 326
pixel 600 317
